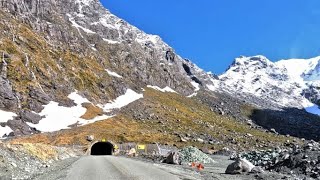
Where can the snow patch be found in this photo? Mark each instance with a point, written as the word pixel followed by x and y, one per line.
pixel 123 100
pixel 212 87
pixel 114 74
pixel 166 89
pixel 93 47
pixel 59 117
pixel 6 116
pixel 111 41
pixel 105 23
pixel 192 95
pixel 197 88
pixel 5 131
pixel 196 85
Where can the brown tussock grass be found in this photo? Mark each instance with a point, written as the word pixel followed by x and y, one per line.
pixel 92 111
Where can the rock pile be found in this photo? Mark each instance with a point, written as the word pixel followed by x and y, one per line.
pixel 263 158
pixel 188 155
pixel 295 159
pixel 192 154
pixel 239 166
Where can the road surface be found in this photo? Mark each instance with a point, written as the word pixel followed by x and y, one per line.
pixel 115 168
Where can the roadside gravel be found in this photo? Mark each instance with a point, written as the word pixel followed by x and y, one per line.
pixel 58 171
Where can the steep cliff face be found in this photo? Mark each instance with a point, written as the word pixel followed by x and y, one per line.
pixel 53 48
pixel 87 29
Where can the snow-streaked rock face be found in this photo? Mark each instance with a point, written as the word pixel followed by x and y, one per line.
pixel 121 57
pixel 285 83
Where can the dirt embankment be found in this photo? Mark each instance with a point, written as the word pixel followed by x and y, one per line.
pixel 26 160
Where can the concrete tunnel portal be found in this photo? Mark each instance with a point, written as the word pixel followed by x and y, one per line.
pixel 102 148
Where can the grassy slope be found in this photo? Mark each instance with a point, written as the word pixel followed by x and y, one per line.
pixel 178 114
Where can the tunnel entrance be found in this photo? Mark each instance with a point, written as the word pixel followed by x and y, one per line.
pixel 102 148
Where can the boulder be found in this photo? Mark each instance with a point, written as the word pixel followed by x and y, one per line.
pixel 239 166
pixel 221 112
pixel 273 131
pixel 29 116
pixel 39 96
pixel 183 139
pixel 132 152
pixel 173 158
pixel 200 140
pixel 19 127
pixel 90 138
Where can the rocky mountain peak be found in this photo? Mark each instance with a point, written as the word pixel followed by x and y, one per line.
pixel 252 63
pixel 259 77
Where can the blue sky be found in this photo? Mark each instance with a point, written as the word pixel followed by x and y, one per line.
pixel 212 33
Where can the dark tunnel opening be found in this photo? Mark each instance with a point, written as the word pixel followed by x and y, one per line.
pixel 102 148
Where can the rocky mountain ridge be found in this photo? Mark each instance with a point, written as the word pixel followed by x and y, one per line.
pixel 51 49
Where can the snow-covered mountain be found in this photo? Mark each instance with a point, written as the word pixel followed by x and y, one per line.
pixel 286 83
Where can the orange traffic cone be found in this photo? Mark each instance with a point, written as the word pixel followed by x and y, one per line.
pixel 200 167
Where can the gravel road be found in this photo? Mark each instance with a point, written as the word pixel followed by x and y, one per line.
pixel 111 167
